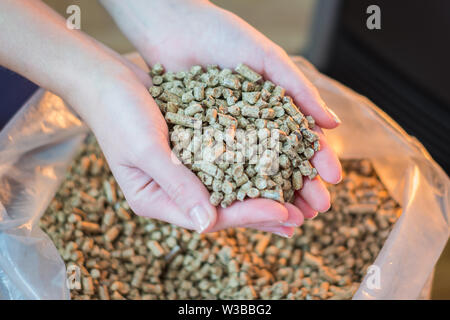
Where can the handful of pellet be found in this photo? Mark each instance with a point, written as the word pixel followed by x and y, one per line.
pixel 119 255
pixel 242 136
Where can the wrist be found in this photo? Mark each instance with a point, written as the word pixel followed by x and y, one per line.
pixel 143 20
pixel 89 94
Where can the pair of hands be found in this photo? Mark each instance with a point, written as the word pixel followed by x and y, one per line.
pixel 134 136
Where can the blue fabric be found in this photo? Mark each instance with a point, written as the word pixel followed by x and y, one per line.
pixel 14 91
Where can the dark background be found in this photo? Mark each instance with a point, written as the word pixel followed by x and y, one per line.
pixel 403 67
pixel 14 91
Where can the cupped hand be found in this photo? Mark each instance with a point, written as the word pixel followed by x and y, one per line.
pixel 134 138
pixel 111 95
pixel 180 34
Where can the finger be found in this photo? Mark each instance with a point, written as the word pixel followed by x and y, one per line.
pixel 181 185
pixel 285 232
pixel 280 69
pixel 315 194
pixel 295 218
pixel 157 204
pixel 146 198
pixel 251 212
pixel 326 161
pixel 308 212
pixel 153 202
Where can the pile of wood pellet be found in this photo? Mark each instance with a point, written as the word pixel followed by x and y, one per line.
pixel 123 256
pixel 232 129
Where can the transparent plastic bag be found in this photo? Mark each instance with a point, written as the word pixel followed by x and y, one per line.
pixel 41 140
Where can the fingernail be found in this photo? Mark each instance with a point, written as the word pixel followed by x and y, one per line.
pixel 334 116
pixel 289 224
pixel 283 235
pixel 315 215
pixel 200 217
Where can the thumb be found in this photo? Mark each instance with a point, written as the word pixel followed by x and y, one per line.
pixel 282 70
pixel 182 187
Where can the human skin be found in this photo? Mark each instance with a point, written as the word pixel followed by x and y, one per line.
pixel 111 96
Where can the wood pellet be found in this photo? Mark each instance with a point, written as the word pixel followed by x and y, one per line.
pixel 124 256
pixel 229 104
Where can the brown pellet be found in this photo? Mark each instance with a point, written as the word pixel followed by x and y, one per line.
pixel 225 101
pixel 325 259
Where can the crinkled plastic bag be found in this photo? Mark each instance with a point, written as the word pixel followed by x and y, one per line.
pixel 40 141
